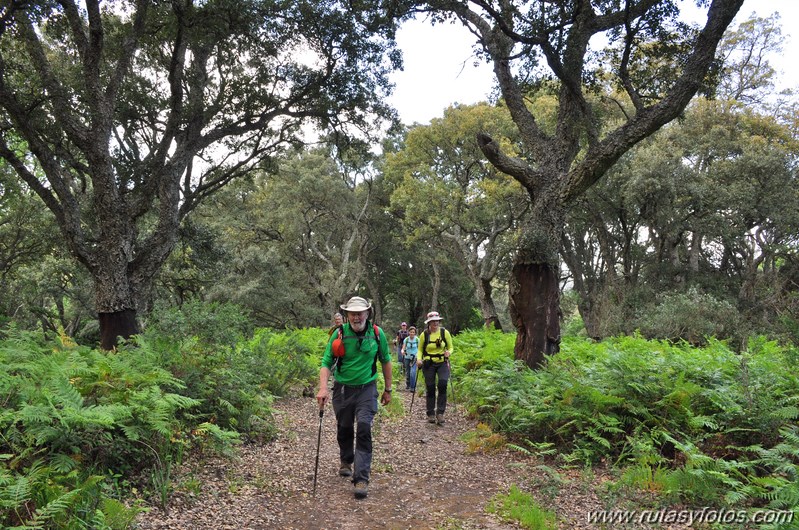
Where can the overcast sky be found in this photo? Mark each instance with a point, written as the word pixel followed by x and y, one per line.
pixel 440 67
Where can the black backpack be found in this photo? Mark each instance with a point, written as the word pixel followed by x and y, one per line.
pixel 426 341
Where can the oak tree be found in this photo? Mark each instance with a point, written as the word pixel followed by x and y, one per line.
pixel 658 62
pixel 135 111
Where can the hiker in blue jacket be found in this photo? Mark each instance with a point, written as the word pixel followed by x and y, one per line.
pixel 410 348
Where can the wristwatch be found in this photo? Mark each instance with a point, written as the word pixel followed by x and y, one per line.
pixel 387 390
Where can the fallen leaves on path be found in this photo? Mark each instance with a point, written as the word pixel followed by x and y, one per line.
pixel 422 477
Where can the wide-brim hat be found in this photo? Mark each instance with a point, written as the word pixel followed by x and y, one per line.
pixel 356 304
pixel 433 315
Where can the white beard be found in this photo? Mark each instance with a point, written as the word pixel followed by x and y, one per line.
pixel 359 327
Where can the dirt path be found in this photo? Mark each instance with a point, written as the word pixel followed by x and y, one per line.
pixel 422 477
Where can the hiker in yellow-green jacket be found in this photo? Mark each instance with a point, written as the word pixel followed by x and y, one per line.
pixel 352 355
pixel 435 347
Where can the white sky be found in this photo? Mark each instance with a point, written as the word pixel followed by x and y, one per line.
pixel 440 64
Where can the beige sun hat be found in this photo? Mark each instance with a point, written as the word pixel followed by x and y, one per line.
pixel 433 315
pixel 356 304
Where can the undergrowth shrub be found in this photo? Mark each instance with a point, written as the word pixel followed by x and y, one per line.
pixel 522 508
pixel 80 427
pixel 224 380
pixel 72 417
pixel 287 359
pixel 701 425
pixel 211 323
pixel 477 348
pixel 690 316
pixel 235 384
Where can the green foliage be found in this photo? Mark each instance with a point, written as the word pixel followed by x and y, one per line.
pixel 691 316
pixel 442 192
pixel 234 383
pixel 285 359
pixel 218 378
pixel 78 424
pixel 521 507
pixel 70 416
pixel 702 425
pixel 211 323
pixel 476 348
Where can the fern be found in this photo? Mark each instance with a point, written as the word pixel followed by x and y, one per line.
pixel 707 422
pixel 62 463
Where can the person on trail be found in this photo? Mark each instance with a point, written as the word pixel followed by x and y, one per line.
pixel 434 351
pixel 401 334
pixel 352 355
pixel 338 320
pixel 410 348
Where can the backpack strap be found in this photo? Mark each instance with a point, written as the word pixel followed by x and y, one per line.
pixel 426 341
pixel 339 360
pixel 377 355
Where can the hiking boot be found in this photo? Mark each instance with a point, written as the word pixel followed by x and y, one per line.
pixel 431 418
pixel 345 470
pixel 361 490
pixel 439 418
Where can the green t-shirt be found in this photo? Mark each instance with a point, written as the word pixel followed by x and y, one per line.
pixel 355 368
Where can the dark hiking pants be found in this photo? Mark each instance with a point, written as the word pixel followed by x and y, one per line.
pixel 355 405
pixel 431 370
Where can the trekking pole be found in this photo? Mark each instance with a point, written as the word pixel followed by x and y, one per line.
pixel 452 386
pixel 318 443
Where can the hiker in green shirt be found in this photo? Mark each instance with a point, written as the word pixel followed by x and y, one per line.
pixel 435 347
pixel 352 355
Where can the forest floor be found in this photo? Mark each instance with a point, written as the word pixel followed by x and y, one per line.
pixel 423 476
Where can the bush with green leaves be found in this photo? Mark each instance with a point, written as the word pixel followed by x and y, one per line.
pixel 691 316
pixel 225 382
pixel 72 417
pixel 477 348
pixel 704 424
pixel 211 323
pixel 522 508
pixel 286 359
pixel 235 384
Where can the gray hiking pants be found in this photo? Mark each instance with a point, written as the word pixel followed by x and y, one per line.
pixel 355 405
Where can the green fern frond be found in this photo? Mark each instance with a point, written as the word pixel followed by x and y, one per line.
pixel 735 497
pixel 62 463
pixel 65 393
pixel 703 421
pixel 57 507
pixel 180 402
pixel 786 413
pixel 132 432
pixel 17 492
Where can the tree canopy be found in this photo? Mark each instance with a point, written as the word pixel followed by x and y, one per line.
pixel 129 114
pixel 658 63
pixel 692 230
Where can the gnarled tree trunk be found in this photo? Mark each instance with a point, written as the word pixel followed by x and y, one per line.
pixel 487 307
pixel 535 310
pixel 534 292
